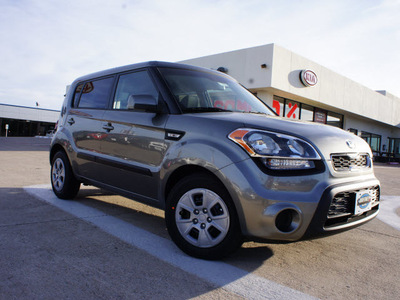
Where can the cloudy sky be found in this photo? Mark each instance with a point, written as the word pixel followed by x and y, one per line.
pixel 46 44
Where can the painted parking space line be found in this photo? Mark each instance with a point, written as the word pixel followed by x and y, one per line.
pixel 387 211
pixel 230 278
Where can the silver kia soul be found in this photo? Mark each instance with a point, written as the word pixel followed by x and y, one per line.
pixel 222 165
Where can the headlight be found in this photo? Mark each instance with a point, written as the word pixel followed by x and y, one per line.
pixel 277 151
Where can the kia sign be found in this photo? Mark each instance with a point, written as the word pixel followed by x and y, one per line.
pixel 308 78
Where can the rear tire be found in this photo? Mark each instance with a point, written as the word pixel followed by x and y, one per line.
pixel 63 181
pixel 201 218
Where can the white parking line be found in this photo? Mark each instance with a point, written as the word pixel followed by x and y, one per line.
pixel 387 211
pixel 219 274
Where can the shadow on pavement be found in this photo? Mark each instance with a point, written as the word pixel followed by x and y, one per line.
pixel 129 215
pixel 152 220
pixel 25 144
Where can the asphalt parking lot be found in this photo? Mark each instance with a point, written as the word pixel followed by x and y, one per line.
pixel 103 246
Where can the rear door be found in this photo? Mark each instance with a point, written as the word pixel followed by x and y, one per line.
pixel 135 147
pixel 85 123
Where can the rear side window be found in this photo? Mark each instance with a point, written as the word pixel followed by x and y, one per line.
pixel 77 94
pixel 95 94
pixel 138 83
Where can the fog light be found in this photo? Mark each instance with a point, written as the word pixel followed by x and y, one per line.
pixel 287 220
pixel 288 164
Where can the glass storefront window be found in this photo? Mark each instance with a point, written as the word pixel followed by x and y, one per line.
pixel 335 119
pixel 374 141
pixel 394 147
pixel 307 113
pixel 295 110
pixel 277 105
pixel 292 109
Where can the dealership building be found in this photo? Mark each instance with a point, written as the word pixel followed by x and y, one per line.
pixel 293 86
pixel 299 89
pixel 26 121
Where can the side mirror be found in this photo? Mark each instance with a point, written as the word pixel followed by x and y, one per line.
pixel 143 102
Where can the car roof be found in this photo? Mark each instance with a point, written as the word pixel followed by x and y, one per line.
pixel 142 65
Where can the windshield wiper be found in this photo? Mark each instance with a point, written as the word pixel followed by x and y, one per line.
pixel 205 109
pixel 257 112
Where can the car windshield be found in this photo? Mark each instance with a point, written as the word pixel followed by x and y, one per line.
pixel 197 91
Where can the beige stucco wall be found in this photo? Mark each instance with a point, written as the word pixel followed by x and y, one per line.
pixel 27 113
pixel 281 77
pixel 332 89
pixel 243 65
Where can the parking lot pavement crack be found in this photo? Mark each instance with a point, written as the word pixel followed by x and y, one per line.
pixel 380 233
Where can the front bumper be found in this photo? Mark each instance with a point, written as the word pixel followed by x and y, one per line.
pixel 326 219
pixel 292 207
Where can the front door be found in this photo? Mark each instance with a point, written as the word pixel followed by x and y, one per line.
pixel 135 146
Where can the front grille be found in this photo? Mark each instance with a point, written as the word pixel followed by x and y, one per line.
pixel 350 162
pixel 343 204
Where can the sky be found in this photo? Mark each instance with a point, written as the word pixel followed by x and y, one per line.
pixel 46 44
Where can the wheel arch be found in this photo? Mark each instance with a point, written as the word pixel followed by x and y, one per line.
pixel 54 149
pixel 187 170
pixel 63 181
pixel 183 172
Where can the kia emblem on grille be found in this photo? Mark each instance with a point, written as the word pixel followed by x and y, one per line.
pixel 350 144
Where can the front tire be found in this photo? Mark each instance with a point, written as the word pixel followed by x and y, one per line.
pixel 201 218
pixel 63 181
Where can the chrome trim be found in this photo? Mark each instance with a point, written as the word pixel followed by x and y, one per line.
pixel 351 224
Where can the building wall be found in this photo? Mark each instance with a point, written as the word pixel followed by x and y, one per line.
pixel 243 65
pixel 26 121
pixel 28 113
pixel 363 108
pixel 353 122
pixel 370 126
pixel 333 90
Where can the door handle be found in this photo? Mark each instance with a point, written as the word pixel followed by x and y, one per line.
pixel 71 121
pixel 108 127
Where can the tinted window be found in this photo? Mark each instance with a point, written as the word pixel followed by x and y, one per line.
pixel 96 93
pixel 76 95
pixel 138 83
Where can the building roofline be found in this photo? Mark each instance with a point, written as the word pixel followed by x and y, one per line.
pixel 37 108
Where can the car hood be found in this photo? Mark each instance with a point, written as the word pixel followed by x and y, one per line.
pixel 327 139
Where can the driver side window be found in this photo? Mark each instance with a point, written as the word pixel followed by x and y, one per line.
pixel 137 83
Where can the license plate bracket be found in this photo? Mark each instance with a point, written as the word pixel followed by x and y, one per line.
pixel 363 202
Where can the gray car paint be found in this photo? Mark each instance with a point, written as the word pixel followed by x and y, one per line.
pixel 140 145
